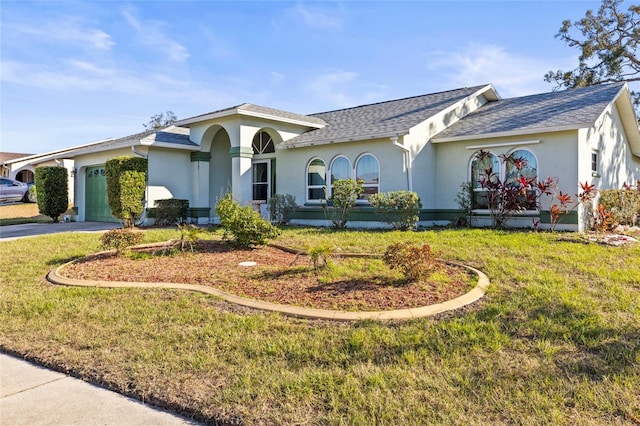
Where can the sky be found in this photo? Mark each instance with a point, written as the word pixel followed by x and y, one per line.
pixel 76 72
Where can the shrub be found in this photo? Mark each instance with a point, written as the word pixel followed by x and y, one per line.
pixel 281 207
pixel 126 184
pixel 344 194
pixel 121 239
pixel 320 255
pixel 170 212
pixel 243 226
pixel 32 195
pixel 623 204
pixel 400 208
pixel 189 235
pixel 413 260
pixel 464 199
pixel 52 191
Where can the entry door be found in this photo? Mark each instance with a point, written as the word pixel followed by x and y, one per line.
pixel 261 176
pixel 96 205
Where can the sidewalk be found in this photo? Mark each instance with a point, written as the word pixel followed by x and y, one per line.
pixel 34 396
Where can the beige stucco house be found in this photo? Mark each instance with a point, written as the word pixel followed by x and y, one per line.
pixel 424 144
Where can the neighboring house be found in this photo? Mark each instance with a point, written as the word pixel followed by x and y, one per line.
pixel 424 144
pixel 8 170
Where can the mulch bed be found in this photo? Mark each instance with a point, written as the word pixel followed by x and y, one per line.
pixel 278 277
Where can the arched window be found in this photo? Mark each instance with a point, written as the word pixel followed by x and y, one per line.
pixel 340 169
pixel 484 166
pixel 368 173
pixel 523 164
pixel 262 143
pixel 316 180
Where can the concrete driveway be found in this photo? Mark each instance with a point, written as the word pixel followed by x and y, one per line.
pixel 12 232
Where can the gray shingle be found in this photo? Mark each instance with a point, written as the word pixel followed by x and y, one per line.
pixel 527 114
pixel 396 116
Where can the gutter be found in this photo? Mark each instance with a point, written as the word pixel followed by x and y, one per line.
pixel 407 160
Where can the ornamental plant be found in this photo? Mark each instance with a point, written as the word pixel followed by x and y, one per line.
pixel 121 239
pixel 243 226
pixel 126 184
pixel 52 191
pixel 623 204
pixel 171 211
pixel 399 208
pixel 344 194
pixel 413 260
pixel 281 207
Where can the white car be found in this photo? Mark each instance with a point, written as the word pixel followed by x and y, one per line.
pixel 12 190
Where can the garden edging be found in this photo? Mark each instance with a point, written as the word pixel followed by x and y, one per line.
pixel 55 276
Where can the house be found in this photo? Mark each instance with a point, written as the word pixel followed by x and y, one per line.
pixel 425 144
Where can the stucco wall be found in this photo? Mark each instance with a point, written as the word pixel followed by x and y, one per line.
pixel 169 175
pixel 556 154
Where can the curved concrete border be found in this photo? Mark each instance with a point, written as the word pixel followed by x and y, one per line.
pixel 55 276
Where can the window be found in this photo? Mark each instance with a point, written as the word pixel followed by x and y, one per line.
pixel 594 163
pixel 368 172
pixel 262 143
pixel 340 169
pixel 523 164
pixel 261 172
pixel 316 180
pixel 481 169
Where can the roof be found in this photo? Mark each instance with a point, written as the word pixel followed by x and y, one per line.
pixel 383 119
pixel 257 111
pixel 562 110
pixel 8 156
pixel 168 137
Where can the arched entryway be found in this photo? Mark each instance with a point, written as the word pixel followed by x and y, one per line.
pixel 25 176
pixel 219 166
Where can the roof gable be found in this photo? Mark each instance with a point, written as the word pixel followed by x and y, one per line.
pixel 390 118
pixel 554 111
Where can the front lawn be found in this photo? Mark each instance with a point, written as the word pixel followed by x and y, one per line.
pixel 555 340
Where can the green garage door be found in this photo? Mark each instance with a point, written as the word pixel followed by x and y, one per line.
pixel 97 208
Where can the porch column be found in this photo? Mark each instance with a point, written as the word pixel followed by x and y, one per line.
pixel 241 173
pixel 200 184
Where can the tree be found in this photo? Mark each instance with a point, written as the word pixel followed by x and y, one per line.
pixel 607 44
pixel 158 121
pixel 52 191
pixel 126 184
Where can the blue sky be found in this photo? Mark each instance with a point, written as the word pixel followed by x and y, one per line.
pixel 77 72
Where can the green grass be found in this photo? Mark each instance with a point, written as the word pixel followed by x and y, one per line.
pixel 555 340
pixel 15 214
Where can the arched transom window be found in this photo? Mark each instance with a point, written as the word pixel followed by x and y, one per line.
pixel 262 143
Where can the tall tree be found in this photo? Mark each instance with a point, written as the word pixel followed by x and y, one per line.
pixel 608 42
pixel 158 121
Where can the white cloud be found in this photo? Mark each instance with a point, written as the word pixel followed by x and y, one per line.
pixel 320 18
pixel 68 30
pixel 151 35
pixel 512 74
pixel 337 88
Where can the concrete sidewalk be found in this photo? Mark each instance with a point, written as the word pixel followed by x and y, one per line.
pixel 32 395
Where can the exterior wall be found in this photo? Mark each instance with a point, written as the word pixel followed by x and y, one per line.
pixel 291 173
pixel 169 175
pixel 617 165
pixel 556 154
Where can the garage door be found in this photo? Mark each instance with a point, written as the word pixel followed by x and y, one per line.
pixel 97 208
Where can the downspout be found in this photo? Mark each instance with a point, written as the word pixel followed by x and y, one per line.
pixel 407 160
pixel 146 188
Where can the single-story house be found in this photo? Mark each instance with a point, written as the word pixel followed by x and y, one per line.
pixel 426 144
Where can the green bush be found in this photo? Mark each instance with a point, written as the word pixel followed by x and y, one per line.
pixel 622 204
pixel 126 184
pixel 281 207
pixel 52 191
pixel 413 260
pixel 243 226
pixel 344 194
pixel 121 239
pixel 400 208
pixel 32 195
pixel 170 212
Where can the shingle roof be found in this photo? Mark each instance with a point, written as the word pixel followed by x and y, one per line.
pixel 251 109
pixel 379 119
pixel 8 156
pixel 528 114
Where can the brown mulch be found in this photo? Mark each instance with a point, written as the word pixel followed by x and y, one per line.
pixel 278 277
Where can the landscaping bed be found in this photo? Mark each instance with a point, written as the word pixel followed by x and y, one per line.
pixel 351 283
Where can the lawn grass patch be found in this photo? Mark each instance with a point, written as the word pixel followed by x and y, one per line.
pixel 554 341
pixel 19 213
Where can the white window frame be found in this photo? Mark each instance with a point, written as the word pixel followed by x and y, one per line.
pixel 330 172
pixel 253 178
pixel 595 163
pixel 309 187
pixel 362 199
